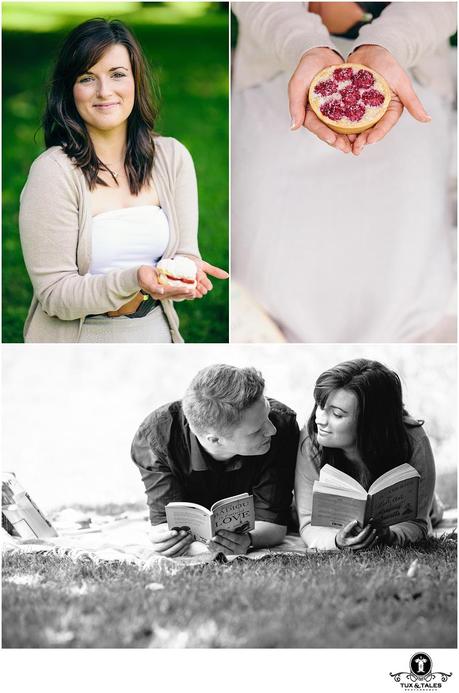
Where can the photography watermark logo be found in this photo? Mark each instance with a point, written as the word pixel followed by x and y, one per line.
pixel 421 675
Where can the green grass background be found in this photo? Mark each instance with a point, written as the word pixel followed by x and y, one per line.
pixel 187 46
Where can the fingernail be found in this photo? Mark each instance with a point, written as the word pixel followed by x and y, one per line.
pixel 427 118
pixel 331 140
pixel 292 124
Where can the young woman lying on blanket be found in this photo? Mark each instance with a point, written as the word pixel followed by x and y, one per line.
pixel 359 426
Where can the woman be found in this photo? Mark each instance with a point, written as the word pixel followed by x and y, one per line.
pixel 106 200
pixel 360 426
pixel 369 233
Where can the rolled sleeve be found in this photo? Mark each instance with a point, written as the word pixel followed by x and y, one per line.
pixel 161 485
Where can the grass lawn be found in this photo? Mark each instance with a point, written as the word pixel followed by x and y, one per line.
pixel 317 600
pixel 190 58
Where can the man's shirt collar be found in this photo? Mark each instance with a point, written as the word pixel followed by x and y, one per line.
pixel 202 461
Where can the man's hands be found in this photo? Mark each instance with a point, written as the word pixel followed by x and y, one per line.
pixel 312 62
pixel 169 542
pixel 230 542
pixel 148 281
pixel 403 94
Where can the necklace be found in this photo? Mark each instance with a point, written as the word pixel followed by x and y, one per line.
pixel 114 174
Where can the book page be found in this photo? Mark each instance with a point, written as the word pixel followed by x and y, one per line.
pixel 403 471
pixel 338 479
pixel 194 517
pixel 398 503
pixel 329 510
pixel 238 514
pixel 224 501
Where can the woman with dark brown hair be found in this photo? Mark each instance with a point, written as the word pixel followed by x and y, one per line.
pixel 359 426
pixel 106 201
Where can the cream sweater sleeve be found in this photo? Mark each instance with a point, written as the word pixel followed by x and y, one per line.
pixel 49 230
pixel 305 475
pixel 186 202
pixel 283 30
pixel 410 30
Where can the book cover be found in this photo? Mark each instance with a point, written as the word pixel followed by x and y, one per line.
pixel 236 514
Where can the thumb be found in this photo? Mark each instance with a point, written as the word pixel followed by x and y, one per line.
pixel 410 100
pixel 297 99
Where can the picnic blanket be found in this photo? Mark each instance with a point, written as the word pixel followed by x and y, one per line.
pixel 126 540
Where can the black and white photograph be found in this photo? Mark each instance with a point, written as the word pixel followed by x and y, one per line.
pixel 231 497
pixel 229 346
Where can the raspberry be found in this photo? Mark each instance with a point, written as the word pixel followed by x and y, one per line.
pixel 333 110
pixel 363 79
pixel 341 74
pixel 326 87
pixel 350 95
pixel 354 112
pixel 373 97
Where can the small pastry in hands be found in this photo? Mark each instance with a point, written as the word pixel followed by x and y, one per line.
pixel 349 98
pixel 177 271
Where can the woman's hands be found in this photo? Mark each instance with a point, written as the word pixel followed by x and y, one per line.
pixel 147 278
pixel 204 284
pixel 312 62
pixel 403 94
pixel 378 59
pixel 353 537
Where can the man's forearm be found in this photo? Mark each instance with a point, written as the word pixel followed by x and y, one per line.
pixel 267 534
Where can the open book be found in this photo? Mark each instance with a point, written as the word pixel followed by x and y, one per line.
pixel 236 514
pixel 337 498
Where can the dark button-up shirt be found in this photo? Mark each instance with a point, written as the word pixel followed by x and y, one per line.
pixel 175 467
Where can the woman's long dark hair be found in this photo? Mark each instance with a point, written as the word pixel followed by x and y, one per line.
pixel 382 440
pixel 64 127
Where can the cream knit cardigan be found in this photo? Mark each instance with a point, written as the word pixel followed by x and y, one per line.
pixel 274 35
pixel 55 229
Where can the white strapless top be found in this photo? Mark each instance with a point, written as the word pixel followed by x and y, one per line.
pixel 128 237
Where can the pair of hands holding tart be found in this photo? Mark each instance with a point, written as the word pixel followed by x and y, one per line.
pixel 351 104
pixel 179 278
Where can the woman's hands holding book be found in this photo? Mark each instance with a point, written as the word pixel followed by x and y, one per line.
pixel 169 542
pixel 352 537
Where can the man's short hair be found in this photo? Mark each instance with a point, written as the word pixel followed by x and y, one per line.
pixel 218 396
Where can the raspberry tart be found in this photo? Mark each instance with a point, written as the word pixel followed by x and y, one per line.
pixel 349 98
